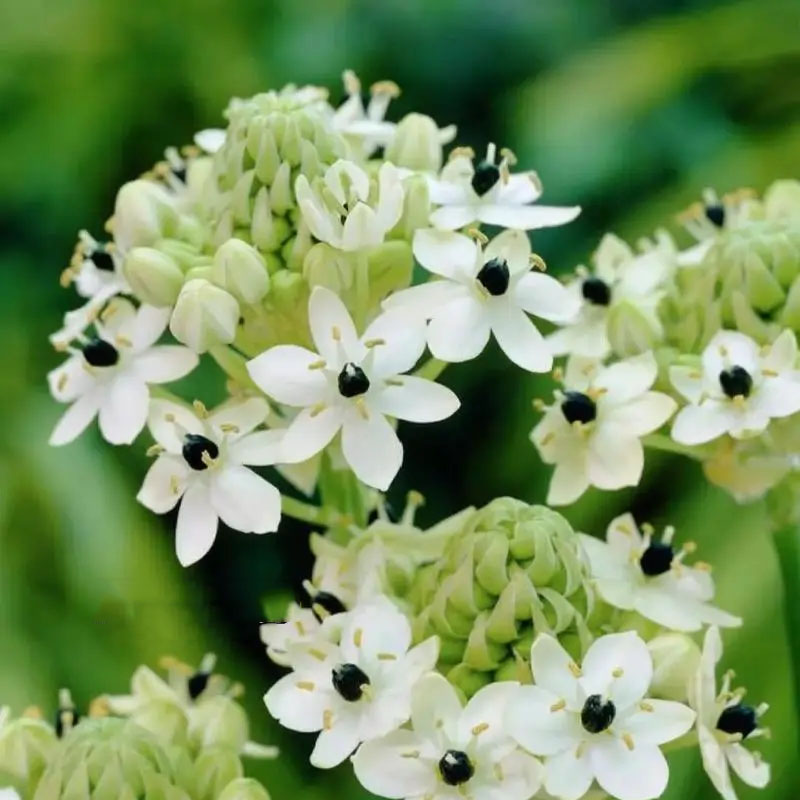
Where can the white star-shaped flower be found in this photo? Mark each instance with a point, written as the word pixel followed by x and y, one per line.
pixel 595 722
pixel 451 751
pixel 343 209
pixel 484 292
pixel 352 385
pixel 738 389
pixel 201 464
pixel 486 192
pixel 636 572
pixel 357 690
pixel 107 376
pixel 620 281
pixel 592 433
pixel 300 627
pixel 723 723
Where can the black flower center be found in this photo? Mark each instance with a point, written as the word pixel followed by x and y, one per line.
pixel 736 382
pixel 100 353
pixel 455 767
pixel 329 602
pixel 102 259
pixel 597 715
pixel 494 276
pixel 352 380
pixel 179 173
pixel 350 680
pixel 715 214
pixel 596 291
pixel 485 177
pixel 657 559
pixel 196 684
pixel 66 720
pixel 738 719
pixel 195 447
pixel 578 407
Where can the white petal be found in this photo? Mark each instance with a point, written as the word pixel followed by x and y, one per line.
pixel 385 768
pixel 615 459
pixel 553 669
pixel 361 229
pixel 426 299
pixel 260 449
pixel 714 763
pixel 415 400
pixel 210 139
pixel 335 745
pixel 627 379
pixel 638 774
pixel 643 414
pixel 451 255
pixel 297 708
pixel 669 609
pixel 403 341
pixel 662 722
pixel 522 776
pixel 332 326
pixel 169 421
pixel 570 480
pixel 76 418
pixel 164 484
pixel 371 448
pixel 486 711
pixel 750 769
pixel 584 338
pixel 346 172
pixel 197 525
pixel 688 381
pixel 238 417
pixel 283 373
pixel 730 348
pixel 245 501
pixel 779 397
pixel 70 380
pixel 511 246
pixel 451 218
pixel 420 660
pixel 567 775
pixel 700 424
pixel 310 432
pixel 531 721
pixel 123 410
pixel 435 706
pixel 782 355
pixel 390 196
pixel 545 297
pixel 315 215
pixel 165 363
pixel 374 629
pixel 459 331
pixel 520 189
pixel 147 327
pixel 527 218
pixel 618 665
pixel 520 339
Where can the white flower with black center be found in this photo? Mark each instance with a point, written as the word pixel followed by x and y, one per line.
pixel 724 722
pixel 357 690
pixel 451 751
pixel 623 285
pixel 595 722
pixel 107 376
pixel 201 464
pixel 344 209
pixel 484 291
pixel 737 389
pixel 471 191
pixel 352 385
pixel 634 571
pixel 592 434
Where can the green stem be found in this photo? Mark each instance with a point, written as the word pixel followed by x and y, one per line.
pixel 431 369
pixel 787 546
pixel 307 512
pixel 659 441
pixel 362 289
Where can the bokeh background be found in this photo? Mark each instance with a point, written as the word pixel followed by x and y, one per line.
pixel 628 107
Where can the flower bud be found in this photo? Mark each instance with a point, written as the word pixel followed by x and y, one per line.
pixel 143 213
pixel 632 329
pixel 416 144
pixel 154 276
pixel 204 316
pixel 218 722
pixel 244 789
pixel 213 770
pixel 26 745
pixel 416 208
pixel 239 268
pixel 676 658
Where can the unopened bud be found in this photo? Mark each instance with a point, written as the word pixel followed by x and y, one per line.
pixel 240 268
pixel 416 144
pixel 244 789
pixel 204 315
pixel 632 330
pixel 143 214
pixel 154 276
pixel 676 658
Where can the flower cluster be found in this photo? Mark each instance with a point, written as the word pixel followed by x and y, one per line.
pixel 179 739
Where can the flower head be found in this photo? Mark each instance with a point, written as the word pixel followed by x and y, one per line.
pixel 636 572
pixel 451 751
pixel 594 721
pixel 592 433
pixel 352 384
pixel 484 291
pixel 201 464
pixel 487 192
pixel 724 722
pixel 107 376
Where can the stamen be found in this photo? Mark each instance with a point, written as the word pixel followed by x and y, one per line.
pixel 200 409
pixel 306 686
pixel 628 739
pixel 480 728
pixel 320 364
pixel 574 669
pixel 154 450
pixel 558 706
pixel 537 262
pixel 327 719
pixel 618 672
pixel 478 235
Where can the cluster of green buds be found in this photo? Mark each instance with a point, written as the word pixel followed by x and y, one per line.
pixel 179 739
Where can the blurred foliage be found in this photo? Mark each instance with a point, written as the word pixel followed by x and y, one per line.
pixel 629 107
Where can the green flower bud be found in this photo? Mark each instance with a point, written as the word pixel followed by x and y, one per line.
pixel 244 789
pixel 204 316
pixel 218 721
pixel 239 268
pixel 416 144
pixel 144 213
pixel 416 208
pixel 632 329
pixel 26 745
pixel 213 770
pixel 154 276
pixel 676 658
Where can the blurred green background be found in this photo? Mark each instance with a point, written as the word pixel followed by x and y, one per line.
pixel 629 107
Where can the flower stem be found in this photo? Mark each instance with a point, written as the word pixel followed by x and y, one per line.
pixel 787 546
pixel 362 290
pixel 431 369
pixel 659 441
pixel 307 512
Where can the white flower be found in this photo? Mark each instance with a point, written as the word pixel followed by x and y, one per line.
pixel 488 193
pixel 365 125
pixel 357 690
pixel 635 572
pixel 108 376
pixel 592 434
pixel 452 751
pixel 338 209
pixel 8 793
pixel 210 140
pixel 484 291
pixel 623 286
pixel 723 722
pixel 201 463
pixel 352 385
pixel 594 722
pixel 739 388
pixel 301 626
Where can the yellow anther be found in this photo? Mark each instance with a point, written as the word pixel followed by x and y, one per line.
pixel 169 417
pixel 374 342
pixel 327 719
pixel 703 566
pixel 154 450
pixel 465 152
pixel 478 235
pixel 546 439
pixel 538 404
pixel 558 374
pixel 206 458
pixel 318 654
pixel 387 657
pixel 306 686
pixel 574 669
pixel 123 341
pixel 317 409
pixel 229 427
pixel 508 155
pixel 689 547
pixel 389 88
pixel 393 382
pixel 358 637
pixel 769 373
pixel 537 262
pixel 299 627
pixel 336 332
pixel 174 484
pixel 480 728
pixel 320 364
pixel 62 381
pixel 558 706
pixel 361 406
pixel 410 754
pixel 200 409
pixel 33 712
pixel 645 706
pixel 618 672
pixel 628 739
